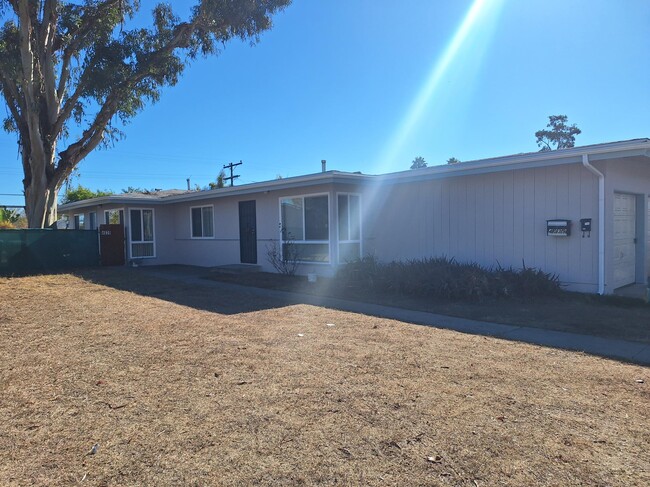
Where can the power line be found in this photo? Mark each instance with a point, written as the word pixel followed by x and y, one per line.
pixel 232 177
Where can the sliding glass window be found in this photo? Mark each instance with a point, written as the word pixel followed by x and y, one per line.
pixel 142 233
pixel 349 222
pixel 202 222
pixel 305 226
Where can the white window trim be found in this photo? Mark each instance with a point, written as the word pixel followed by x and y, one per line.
pixel 131 241
pixel 213 223
pixel 118 210
pixel 338 230
pixel 307 242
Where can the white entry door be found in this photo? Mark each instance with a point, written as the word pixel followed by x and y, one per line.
pixel 624 239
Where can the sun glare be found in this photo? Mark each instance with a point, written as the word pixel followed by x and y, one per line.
pixel 480 18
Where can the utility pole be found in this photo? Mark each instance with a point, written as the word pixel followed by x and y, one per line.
pixel 232 176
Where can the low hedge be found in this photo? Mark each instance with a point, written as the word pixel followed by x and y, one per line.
pixel 446 278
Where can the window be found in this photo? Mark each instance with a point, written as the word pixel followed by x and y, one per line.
pixel 305 224
pixel 349 217
pixel 142 233
pixel 202 222
pixel 79 221
pixel 92 221
pixel 112 217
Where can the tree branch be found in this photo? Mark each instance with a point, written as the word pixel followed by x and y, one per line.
pixel 91 137
pixel 14 5
pixel 146 67
pixel 26 54
pixel 12 97
pixel 47 63
pixel 30 112
pixel 11 89
pixel 89 19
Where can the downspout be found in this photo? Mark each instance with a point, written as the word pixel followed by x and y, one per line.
pixel 601 222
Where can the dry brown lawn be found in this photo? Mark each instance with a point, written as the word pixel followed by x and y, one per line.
pixel 186 385
pixel 604 316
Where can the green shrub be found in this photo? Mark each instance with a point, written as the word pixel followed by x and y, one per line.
pixel 445 278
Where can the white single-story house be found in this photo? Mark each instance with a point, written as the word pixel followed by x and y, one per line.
pixel 582 213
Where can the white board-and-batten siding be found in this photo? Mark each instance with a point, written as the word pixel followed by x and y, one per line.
pixel 493 219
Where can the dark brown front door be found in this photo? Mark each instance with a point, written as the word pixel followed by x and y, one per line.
pixel 111 244
pixel 247 232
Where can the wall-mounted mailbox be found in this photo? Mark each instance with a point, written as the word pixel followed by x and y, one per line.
pixel 585 225
pixel 558 228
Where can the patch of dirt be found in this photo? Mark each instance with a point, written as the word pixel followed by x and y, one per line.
pixel 188 385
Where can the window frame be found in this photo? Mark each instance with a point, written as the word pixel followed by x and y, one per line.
pixel 107 212
pixel 192 226
pixel 338 229
pixel 92 220
pixel 153 233
pixel 79 221
pixel 303 241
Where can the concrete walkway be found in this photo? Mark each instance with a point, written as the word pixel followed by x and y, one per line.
pixel 604 347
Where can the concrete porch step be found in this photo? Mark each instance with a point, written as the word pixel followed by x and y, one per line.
pixel 237 268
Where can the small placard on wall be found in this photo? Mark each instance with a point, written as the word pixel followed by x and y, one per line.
pixel 558 228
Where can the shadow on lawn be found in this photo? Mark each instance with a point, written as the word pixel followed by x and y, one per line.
pixel 182 285
pixel 605 317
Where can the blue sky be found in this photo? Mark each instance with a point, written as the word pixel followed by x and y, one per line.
pixel 370 84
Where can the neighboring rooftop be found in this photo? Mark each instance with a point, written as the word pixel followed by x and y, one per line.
pixel 158 193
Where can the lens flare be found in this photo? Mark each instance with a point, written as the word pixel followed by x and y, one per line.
pixel 465 51
pixel 475 20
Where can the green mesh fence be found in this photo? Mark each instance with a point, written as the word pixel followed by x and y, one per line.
pixel 28 251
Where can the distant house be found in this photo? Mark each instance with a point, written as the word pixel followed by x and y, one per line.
pixel 583 213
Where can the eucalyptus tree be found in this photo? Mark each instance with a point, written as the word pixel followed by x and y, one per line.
pixel 72 72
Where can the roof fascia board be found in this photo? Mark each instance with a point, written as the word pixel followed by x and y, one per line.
pixel 525 161
pixel 601 156
pixel 276 185
pixel 477 171
pixel 611 150
pixel 262 187
pixel 109 200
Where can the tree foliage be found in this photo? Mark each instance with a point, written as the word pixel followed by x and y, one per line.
pixel 82 193
pixel 8 215
pixel 558 134
pixel 219 183
pixel 72 73
pixel 418 163
pixel 453 160
pixel 134 189
pixel 12 218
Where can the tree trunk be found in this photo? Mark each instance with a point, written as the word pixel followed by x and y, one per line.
pixel 38 207
pixel 40 196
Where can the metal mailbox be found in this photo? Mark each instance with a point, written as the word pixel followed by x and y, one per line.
pixel 558 228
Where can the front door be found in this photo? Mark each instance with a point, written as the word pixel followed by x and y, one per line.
pixel 624 239
pixel 247 232
pixel 111 244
